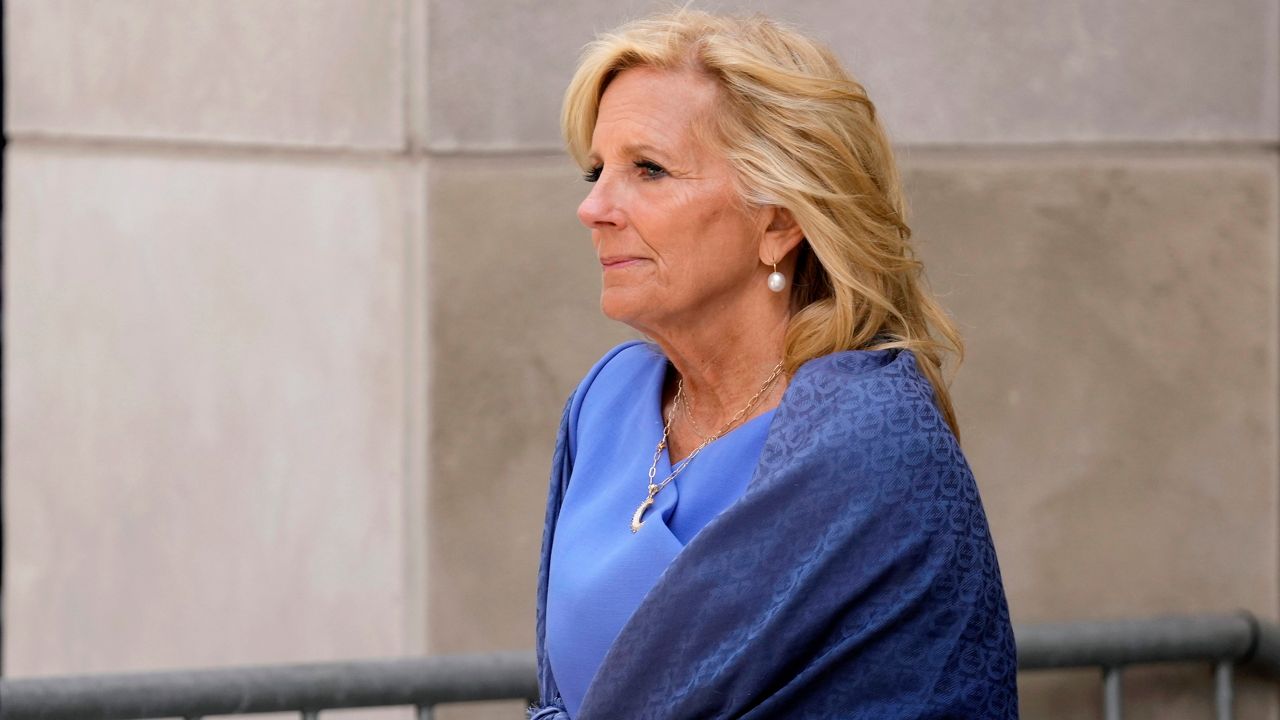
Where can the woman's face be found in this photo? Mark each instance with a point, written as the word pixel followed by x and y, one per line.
pixel 673 240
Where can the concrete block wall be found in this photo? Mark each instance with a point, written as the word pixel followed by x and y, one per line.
pixel 215 359
pixel 295 291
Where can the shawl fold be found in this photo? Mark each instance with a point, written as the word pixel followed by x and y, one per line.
pixel 855 578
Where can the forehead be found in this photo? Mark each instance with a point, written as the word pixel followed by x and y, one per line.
pixel 658 108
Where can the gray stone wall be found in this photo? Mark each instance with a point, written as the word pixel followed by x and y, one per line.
pixel 295 290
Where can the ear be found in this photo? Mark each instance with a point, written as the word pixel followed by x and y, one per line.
pixel 781 235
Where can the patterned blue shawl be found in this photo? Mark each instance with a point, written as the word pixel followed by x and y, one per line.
pixel 855 578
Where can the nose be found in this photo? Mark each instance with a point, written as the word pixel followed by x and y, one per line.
pixel 600 207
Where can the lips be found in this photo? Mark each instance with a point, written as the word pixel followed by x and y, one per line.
pixel 618 261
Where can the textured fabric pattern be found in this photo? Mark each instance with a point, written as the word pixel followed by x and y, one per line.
pixel 856 578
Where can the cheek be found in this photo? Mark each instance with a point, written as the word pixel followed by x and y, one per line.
pixel 726 238
pixel 699 235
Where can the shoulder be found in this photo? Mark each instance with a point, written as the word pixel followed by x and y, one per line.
pixel 610 379
pixel 871 410
pixel 863 431
pixel 618 366
pixel 870 385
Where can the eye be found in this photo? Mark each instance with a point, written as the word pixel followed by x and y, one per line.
pixel 652 170
pixel 593 174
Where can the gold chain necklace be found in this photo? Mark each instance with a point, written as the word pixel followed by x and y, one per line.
pixel 637 519
pixel 687 406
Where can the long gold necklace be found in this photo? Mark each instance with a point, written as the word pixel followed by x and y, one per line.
pixel 637 519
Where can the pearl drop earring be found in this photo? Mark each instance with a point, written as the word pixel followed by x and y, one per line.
pixel 777 281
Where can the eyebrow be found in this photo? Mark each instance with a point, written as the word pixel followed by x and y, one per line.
pixel 640 149
pixel 635 149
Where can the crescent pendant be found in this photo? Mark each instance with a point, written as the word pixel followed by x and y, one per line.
pixel 637 518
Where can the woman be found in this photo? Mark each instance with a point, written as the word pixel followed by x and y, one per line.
pixel 763 512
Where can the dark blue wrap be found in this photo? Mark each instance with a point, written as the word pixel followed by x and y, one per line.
pixel 855 578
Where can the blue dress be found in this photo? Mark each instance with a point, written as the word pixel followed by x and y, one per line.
pixel 600 570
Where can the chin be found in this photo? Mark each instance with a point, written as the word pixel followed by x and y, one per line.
pixel 629 308
pixel 614 310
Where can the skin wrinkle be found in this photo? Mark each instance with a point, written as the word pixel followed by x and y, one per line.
pixel 698 288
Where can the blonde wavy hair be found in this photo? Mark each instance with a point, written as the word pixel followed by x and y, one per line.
pixel 801 134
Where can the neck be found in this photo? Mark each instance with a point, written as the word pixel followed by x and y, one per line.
pixel 724 361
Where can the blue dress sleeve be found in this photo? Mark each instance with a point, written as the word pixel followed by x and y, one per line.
pixel 550 705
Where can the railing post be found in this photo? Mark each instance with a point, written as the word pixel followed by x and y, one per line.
pixel 1223 691
pixel 1112 706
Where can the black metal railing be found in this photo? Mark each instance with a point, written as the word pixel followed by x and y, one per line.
pixel 1227 642
pixel 303 688
pixel 1224 641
